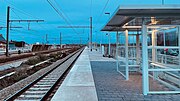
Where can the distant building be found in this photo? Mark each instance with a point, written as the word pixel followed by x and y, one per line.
pixel 12 44
pixel 2 42
pixel 18 43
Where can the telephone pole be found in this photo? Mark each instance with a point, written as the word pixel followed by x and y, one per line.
pixel 91 33
pixel 7 32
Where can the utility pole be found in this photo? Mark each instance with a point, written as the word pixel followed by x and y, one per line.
pixel 7 32
pixel 60 39
pixel 91 33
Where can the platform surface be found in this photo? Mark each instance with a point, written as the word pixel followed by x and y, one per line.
pixel 95 78
pixel 79 83
pixel 111 85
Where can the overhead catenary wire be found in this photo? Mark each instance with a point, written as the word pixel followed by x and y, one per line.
pixel 19 14
pixel 20 19
pixel 29 16
pixel 24 13
pixel 25 30
pixel 65 18
pixel 101 14
pixel 91 6
pixel 63 12
pixel 30 34
pixel 19 10
pixel 103 11
pixel 14 9
pixel 68 19
pixel 61 15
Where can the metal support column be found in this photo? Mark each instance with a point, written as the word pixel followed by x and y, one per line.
pixel 145 78
pixel 126 55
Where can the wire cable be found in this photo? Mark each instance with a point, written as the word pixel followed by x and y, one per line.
pixel 61 15
pixel 104 8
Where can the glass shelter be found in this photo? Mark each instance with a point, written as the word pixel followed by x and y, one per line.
pixel 148 42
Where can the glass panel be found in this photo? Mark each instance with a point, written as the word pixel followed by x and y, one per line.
pixel 164 58
pixel 121 55
pixel 164 81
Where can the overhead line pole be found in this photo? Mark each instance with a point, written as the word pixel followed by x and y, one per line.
pixel 91 33
pixel 7 28
pixel 7 32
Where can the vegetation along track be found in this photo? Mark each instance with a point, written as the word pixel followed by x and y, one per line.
pixel 42 87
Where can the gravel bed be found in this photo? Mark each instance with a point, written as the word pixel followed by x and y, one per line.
pixel 6 92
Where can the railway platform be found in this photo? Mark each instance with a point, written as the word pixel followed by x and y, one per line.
pixel 95 78
pixel 79 83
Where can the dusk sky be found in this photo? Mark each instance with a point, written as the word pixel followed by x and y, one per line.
pixel 77 12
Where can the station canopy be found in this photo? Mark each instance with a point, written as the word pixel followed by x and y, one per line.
pixel 131 17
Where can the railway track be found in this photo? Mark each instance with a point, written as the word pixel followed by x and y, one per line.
pixel 4 59
pixel 41 88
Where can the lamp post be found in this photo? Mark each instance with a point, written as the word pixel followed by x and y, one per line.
pixel 109 38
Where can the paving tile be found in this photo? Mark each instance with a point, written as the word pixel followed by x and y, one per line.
pixel 110 85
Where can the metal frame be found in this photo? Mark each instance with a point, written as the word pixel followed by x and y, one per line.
pixel 117 58
pixel 145 79
pixel 145 61
pixel 164 68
